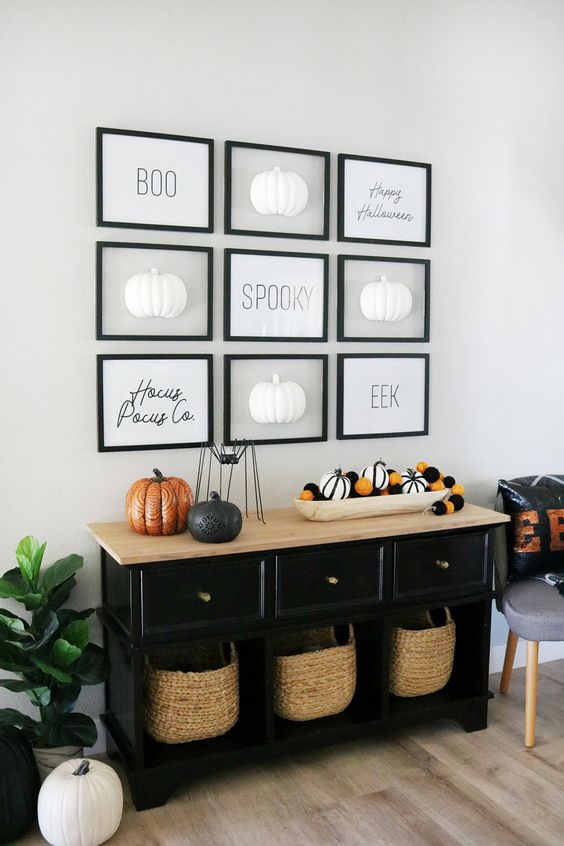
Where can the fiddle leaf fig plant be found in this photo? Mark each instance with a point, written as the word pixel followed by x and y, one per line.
pixel 49 651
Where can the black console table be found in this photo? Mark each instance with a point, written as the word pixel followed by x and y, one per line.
pixel 161 593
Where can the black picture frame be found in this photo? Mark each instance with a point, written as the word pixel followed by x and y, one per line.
pixel 103 446
pixel 101 335
pixel 341 300
pixel 284 232
pixel 403 433
pixel 227 396
pixel 348 206
pixel 228 334
pixel 102 220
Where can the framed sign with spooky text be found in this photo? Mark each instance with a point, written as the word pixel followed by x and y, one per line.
pixel 275 296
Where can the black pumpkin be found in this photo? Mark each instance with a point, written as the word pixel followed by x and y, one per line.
pixel 19 785
pixel 214 521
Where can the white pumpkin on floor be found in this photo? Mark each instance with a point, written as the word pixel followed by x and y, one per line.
pixel 80 804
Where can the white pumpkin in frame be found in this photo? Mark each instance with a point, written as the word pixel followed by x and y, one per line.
pixel 277 402
pixel 385 300
pixel 155 294
pixel 279 192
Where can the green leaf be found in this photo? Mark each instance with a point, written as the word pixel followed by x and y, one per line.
pixel 59 596
pixel 68 615
pixel 70 730
pixel 11 590
pixel 50 670
pixel 92 667
pixel 15 685
pixel 64 697
pixel 58 573
pixel 13 658
pixel 11 717
pixel 77 633
pixel 40 696
pixel 29 555
pixel 64 653
pixel 13 628
pixel 48 625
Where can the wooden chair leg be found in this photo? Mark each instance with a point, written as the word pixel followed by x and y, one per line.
pixel 508 661
pixel 531 678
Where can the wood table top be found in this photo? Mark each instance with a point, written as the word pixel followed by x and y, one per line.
pixel 284 529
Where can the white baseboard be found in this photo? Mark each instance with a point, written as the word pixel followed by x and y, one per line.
pixel 548 651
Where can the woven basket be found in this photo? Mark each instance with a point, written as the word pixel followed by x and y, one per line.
pixel 192 695
pixel 421 655
pixel 313 676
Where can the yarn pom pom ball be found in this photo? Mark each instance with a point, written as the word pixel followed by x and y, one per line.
pixel 439 508
pixel 311 486
pixel 437 486
pixel 431 474
pixel 421 466
pixel 458 489
pixel 395 489
pixel 354 477
pixel 449 507
pixel 307 495
pixel 449 481
pixel 395 478
pixel 457 501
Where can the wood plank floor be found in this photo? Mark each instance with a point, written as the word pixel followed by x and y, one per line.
pixel 434 785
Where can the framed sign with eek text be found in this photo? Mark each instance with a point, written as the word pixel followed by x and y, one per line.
pixel 382 395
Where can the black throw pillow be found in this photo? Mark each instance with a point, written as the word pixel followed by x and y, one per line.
pixel 535 535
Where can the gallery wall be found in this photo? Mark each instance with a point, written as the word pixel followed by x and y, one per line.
pixel 471 87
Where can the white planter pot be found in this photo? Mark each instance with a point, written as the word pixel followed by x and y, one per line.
pixel 48 759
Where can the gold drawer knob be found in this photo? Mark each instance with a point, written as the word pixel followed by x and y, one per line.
pixel 332 580
pixel 204 596
pixel 444 565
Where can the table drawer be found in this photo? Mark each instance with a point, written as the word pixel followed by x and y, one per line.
pixel 439 565
pixel 328 579
pixel 181 597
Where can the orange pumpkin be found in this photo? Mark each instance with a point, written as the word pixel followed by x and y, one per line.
pixel 307 495
pixel 364 486
pixel 158 506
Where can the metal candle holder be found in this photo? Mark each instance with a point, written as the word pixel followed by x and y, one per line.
pixel 229 456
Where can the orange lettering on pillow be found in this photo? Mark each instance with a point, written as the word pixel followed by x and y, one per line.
pixel 525 538
pixel 556 517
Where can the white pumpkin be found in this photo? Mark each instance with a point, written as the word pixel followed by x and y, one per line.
pixel 335 485
pixel 385 300
pixel 80 804
pixel 155 294
pixel 413 482
pixel 279 192
pixel 377 474
pixel 277 402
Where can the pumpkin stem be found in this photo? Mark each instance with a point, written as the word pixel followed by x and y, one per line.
pixel 158 475
pixel 82 769
pixel 214 495
pixel 338 471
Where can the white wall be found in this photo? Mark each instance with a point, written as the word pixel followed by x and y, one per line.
pixel 472 87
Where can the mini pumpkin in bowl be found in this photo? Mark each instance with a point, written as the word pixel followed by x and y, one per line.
pixel 159 505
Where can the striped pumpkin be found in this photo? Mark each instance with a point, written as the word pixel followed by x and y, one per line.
pixel 412 482
pixel 335 485
pixel 377 474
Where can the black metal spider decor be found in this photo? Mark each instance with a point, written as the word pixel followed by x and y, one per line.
pixel 229 456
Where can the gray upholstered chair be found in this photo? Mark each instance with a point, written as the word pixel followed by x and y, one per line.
pixel 534 611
